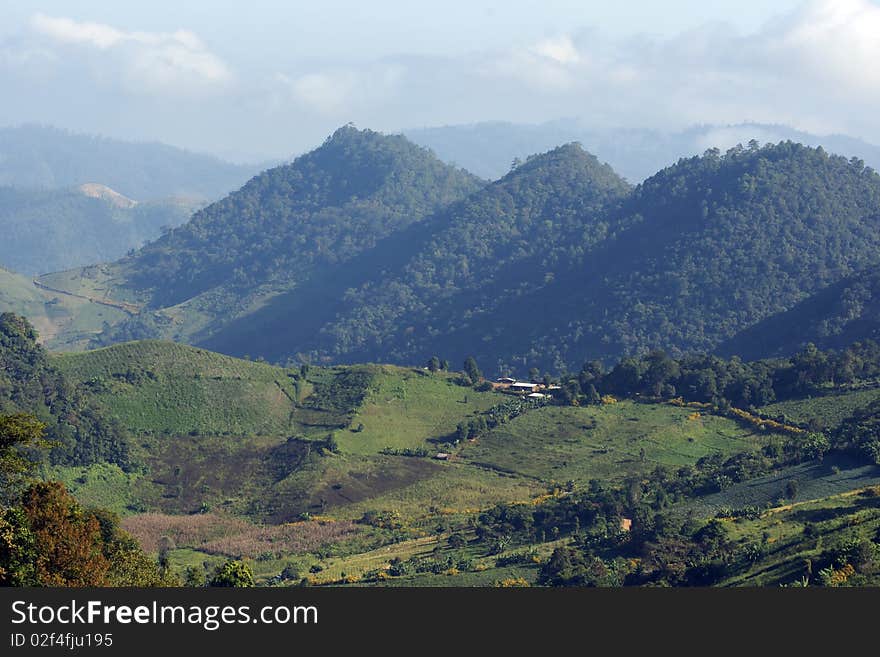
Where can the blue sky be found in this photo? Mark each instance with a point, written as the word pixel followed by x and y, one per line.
pixel 263 78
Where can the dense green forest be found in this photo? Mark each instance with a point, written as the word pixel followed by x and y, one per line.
pixel 42 157
pixel 704 249
pixel 51 230
pixel 76 429
pixel 834 317
pixel 289 224
pixel 691 257
pixel 503 241
pixel 370 249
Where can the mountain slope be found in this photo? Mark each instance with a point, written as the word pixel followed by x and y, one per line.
pixel 35 156
pixel 715 245
pixel 279 231
pixel 29 383
pixel 52 230
pixel 62 321
pixel 18 295
pixel 505 241
pixel 554 265
pixel 833 318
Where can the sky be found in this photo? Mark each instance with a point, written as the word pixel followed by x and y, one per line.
pixel 267 79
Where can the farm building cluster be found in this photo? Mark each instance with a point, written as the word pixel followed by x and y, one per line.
pixel 528 389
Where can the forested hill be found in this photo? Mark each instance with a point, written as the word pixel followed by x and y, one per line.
pixel 715 244
pixel 833 318
pixel 556 264
pixel 287 223
pixel 30 384
pixel 505 241
pixel 370 249
pixel 43 157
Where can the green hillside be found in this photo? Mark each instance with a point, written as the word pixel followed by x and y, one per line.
pixel 608 442
pixel 833 318
pixel 18 295
pixel 52 230
pixel 62 321
pixel 283 229
pixel 330 473
pixel 165 387
pixel 829 541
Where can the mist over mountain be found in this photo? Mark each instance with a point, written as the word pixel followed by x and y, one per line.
pixel 43 157
pixel 51 230
pixel 488 149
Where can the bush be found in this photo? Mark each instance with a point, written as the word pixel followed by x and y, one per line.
pixel 235 574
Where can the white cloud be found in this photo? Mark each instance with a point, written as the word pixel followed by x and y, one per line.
pixel 337 92
pixel 814 68
pixel 560 49
pixel 144 61
pixel 70 31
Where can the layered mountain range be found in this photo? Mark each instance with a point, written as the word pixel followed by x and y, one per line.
pixel 370 248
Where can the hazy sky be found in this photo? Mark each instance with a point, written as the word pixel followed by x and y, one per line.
pixel 264 78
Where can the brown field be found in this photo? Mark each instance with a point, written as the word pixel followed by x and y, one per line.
pixel 215 533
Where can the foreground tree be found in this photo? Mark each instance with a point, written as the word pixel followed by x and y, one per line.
pixel 21 435
pixel 472 370
pixel 236 574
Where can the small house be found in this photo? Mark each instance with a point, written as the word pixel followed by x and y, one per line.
pixel 505 379
pixel 523 387
pixel 441 456
pixel 537 395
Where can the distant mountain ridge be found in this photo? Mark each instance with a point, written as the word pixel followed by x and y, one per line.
pixel 282 228
pixel 488 149
pixel 370 249
pixel 52 230
pixel 43 157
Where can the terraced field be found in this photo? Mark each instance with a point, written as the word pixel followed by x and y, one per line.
pixel 608 442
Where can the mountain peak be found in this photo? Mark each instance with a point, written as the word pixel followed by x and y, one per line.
pixel 568 164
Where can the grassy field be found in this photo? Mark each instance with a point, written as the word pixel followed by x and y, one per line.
pixel 101 485
pixel 18 295
pixel 154 386
pixel 431 489
pixel 407 408
pixel 608 442
pixel 62 322
pixel 827 410
pixel 790 554
pixel 832 476
pixel 102 281
pixel 237 459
